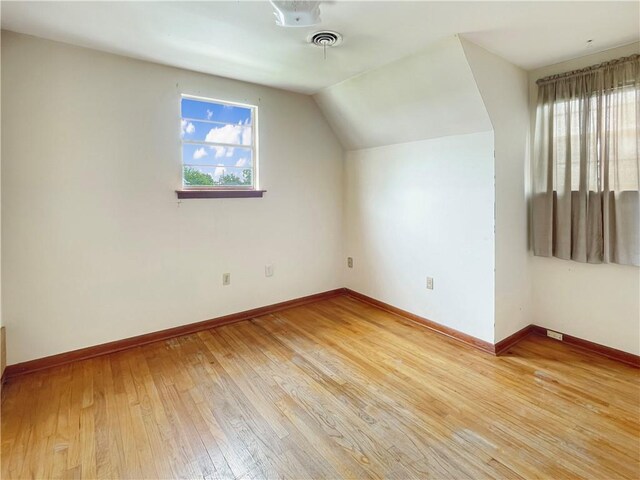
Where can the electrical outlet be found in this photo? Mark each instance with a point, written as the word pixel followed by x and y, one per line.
pixel 556 335
pixel 430 283
pixel 268 270
pixel 226 279
pixel 350 262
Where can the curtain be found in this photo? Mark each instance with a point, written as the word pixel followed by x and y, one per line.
pixel 586 171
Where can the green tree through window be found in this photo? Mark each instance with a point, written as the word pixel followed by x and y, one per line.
pixel 195 177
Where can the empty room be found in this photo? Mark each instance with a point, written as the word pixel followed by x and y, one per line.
pixel 320 240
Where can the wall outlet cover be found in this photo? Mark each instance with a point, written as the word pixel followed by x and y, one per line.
pixel 226 279
pixel 350 262
pixel 268 270
pixel 430 283
pixel 555 335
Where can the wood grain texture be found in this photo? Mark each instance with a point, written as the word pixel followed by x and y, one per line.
pixel 139 340
pixel 332 389
pixel 612 353
pixel 425 322
pixel 506 343
pixel 132 342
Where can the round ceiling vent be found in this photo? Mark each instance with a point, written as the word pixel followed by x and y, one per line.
pixel 326 38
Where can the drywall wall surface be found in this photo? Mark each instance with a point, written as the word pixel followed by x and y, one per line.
pixel 600 303
pixel 425 209
pixel 427 95
pixel 588 301
pixel 504 90
pixel 95 245
pixel 1 321
pixel 3 351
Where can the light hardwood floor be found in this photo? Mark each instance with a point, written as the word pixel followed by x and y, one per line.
pixel 336 389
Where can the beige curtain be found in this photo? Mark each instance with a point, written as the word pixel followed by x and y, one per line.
pixel 586 172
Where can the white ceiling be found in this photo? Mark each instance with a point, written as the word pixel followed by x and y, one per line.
pixel 438 96
pixel 239 39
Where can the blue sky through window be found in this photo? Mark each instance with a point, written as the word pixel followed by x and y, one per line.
pixel 233 134
pixel 218 133
pixel 215 112
pixel 208 155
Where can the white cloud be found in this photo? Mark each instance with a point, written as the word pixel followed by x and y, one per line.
pixel 186 127
pixel 199 153
pixel 239 134
pixel 246 136
pixel 209 114
pixel 222 151
pixel 219 171
pixel 242 162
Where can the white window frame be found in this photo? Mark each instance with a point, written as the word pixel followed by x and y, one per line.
pixel 253 146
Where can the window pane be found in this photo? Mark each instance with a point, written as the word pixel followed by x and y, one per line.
pixel 216 133
pixel 212 176
pixel 215 112
pixel 200 154
pixel 585 147
pixel 222 164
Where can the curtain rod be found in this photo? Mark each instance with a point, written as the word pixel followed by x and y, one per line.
pixel 584 71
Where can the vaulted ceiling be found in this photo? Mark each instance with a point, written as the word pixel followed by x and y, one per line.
pixel 239 39
pixel 427 95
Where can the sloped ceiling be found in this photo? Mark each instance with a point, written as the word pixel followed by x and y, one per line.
pixel 427 95
pixel 239 39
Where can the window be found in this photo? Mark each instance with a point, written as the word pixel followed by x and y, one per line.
pixel 586 169
pixel 218 145
pixel 576 122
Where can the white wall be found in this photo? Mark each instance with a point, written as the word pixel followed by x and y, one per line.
pixel 95 243
pixel 425 209
pixel 504 89
pixel 1 321
pixel 430 94
pixel 419 186
pixel 600 303
pixel 489 93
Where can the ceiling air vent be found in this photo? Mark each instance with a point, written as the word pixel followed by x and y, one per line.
pixel 326 38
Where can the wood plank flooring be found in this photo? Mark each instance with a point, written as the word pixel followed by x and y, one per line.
pixel 335 389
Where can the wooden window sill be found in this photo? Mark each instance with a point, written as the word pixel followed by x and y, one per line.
pixel 219 193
